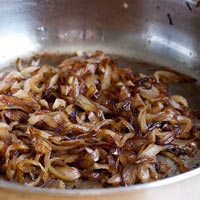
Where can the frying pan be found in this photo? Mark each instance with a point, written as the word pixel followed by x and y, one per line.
pixel 137 33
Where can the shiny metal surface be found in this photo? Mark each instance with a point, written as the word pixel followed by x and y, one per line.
pixel 164 32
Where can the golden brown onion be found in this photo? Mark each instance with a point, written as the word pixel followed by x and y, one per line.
pixel 89 123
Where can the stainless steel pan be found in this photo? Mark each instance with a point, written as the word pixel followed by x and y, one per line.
pixel 164 33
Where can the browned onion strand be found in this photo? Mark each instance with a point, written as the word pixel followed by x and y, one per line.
pixel 88 123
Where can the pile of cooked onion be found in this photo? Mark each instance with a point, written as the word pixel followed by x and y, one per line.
pixel 89 123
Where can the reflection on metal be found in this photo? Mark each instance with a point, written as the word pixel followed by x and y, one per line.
pixel 172 45
pixel 15 45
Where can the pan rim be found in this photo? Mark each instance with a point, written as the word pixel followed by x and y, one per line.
pixel 4 184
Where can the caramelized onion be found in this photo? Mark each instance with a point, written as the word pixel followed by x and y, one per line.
pixel 88 121
pixel 151 151
pixel 64 173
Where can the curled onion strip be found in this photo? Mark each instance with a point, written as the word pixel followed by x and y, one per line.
pixel 65 173
pixel 142 120
pixel 177 160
